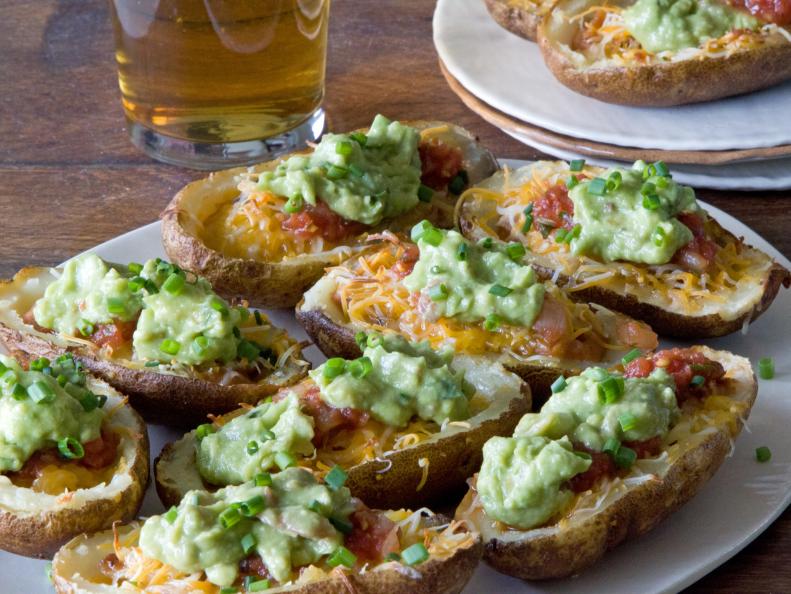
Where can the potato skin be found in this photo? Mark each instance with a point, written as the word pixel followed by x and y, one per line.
pixel 435 576
pixel 276 284
pixel 665 322
pixel 451 460
pixel 160 398
pixel 520 19
pixel 668 83
pixel 42 534
pixel 565 552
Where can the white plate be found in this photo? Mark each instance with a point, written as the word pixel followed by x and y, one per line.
pixel 772 174
pixel 508 73
pixel 730 511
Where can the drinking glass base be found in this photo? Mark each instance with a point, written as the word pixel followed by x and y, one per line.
pixel 209 155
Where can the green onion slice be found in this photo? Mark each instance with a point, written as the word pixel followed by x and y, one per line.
pixel 415 554
pixel 627 421
pixel 41 392
pixel 334 367
pixel 631 356
pixel 70 448
pixel 285 460
pixel 336 478
pixel 171 515
pixel 499 290
pixel 492 322
pixel 252 507
pixel 262 479
pixel 516 251
pixel 342 556
pixel 576 164
pixel 558 385
pixel 230 517
pixel 424 193
pixel 763 454
pixel 174 284
pixel 766 368
pixel 438 292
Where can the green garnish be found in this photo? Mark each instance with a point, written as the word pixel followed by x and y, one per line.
pixel 424 193
pixel 415 554
pixel 597 186
pixel 492 322
pixel 230 517
pixel 763 454
pixel 342 556
pixel 361 367
pixel 252 447
pixel 294 204
pixel 631 356
pixel 438 292
pixel 558 385
pixel 174 284
pixel 115 305
pixel 463 251
pixel 576 164
pixel 171 514
pixel 70 448
pixel 344 148
pixel 625 457
pixel 41 392
pixel 202 431
pixel 262 479
pixel 170 347
pixel 285 460
pixel 515 251
pixel 627 421
pixel 766 368
pixel 499 290
pixel 336 478
pixel 252 507
pixel 334 367
pixel 610 389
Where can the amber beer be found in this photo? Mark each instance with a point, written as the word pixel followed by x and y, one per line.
pixel 244 74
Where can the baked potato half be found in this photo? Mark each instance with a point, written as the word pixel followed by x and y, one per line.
pixel 366 293
pixel 52 498
pixel 252 244
pixel 713 286
pixel 386 466
pixel 631 502
pixel 425 557
pixel 163 390
pixel 593 49
pixel 521 17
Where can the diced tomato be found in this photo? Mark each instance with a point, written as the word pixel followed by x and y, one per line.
pixel 632 333
pixel 439 163
pixel 682 365
pixel 601 466
pixel 328 418
pixel 774 11
pixel 114 335
pixel 101 452
pixel 406 262
pixel 554 209
pixel 698 254
pixel 373 537
pixel 319 220
pixel 254 565
pixel 552 323
pixel 647 448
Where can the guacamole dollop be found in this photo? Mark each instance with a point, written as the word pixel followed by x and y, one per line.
pixel 36 412
pixel 179 319
pixel 290 524
pixel 634 221
pixel 396 380
pixel 578 411
pixel 474 281
pixel 362 177
pixel 87 292
pixel 521 477
pixel 248 444
pixel 672 25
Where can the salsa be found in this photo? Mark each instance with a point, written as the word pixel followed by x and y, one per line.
pixel 439 163
pixel 773 11
pixel 319 220
pixel 683 365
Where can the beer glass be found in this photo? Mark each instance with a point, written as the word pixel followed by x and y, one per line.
pixel 213 83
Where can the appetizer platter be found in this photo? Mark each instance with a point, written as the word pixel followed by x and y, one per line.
pixel 519 66
pixel 471 329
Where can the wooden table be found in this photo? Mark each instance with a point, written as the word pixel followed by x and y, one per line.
pixel 69 178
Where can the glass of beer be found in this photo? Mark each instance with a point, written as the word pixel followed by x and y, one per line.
pixel 213 83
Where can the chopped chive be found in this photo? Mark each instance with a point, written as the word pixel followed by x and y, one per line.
pixel 262 479
pixel 85 328
pixel 199 345
pixel 70 448
pixel 625 457
pixel 392 557
pixel 659 236
pixel 463 251
pixel 651 202
pixel 576 164
pixel 171 514
pixel 341 525
pixel 285 460
pixel 170 347
pixel 248 543
pixel 415 554
pixel 373 341
pixel 18 392
pixel 230 517
pixel 456 185
pixel 560 236
pixel 115 305
pixel 252 507
pixel 342 556
pixel 558 385
pixel 610 389
pixel 39 364
pixel 424 193
pixel 294 204
pixel 763 454
pixel 597 186
pixel 361 367
pixel 268 435
pixel 251 584
pixel 697 381
pixel 134 268
pixel 492 322
pixel 218 304
pixel 627 421
pixel 766 368
pixel 486 243
pixel 359 138
pixel 41 392
pixel 516 251
pixel 174 284
pixel 258 319
pixel 611 446
pixel 252 447
pixel 202 431
pixel 152 364
pixel 361 338
pixel 355 170
pixel 419 230
pixel 614 181
pixel 572 182
pixel 89 401
pixel 499 290
pixel 336 172
pixel 247 350
pixel 631 356
pixel 344 148
pixel 336 478
pixel 334 367
pixel 661 169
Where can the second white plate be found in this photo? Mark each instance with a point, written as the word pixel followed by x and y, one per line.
pixel 508 73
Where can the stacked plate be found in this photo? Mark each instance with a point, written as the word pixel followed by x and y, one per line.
pixel 743 142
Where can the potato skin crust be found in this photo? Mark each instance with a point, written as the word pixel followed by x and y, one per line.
pixel 160 398
pixel 274 284
pixel 669 83
pixel 565 552
pixel 435 576
pixel 517 19
pixel 664 322
pixel 42 534
pixel 451 460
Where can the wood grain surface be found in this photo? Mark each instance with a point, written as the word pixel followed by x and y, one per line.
pixel 70 179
